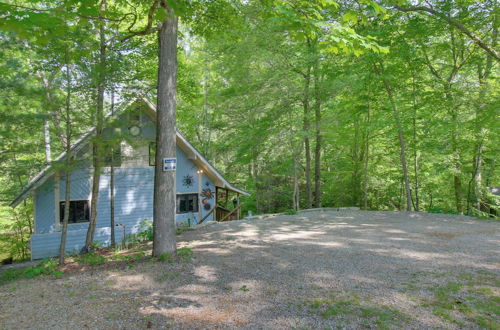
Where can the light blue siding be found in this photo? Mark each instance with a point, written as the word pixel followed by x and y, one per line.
pixel 133 198
pixel 44 208
pixel 47 245
pixel 81 182
pixel 133 204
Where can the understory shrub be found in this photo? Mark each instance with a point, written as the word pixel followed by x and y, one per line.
pixel 144 234
pixel 47 267
pixel 16 226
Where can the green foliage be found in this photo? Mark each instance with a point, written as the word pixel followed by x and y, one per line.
pixel 344 307
pixel 47 267
pixel 251 76
pixel 91 258
pixel 164 257
pixel 144 234
pixel 185 254
pixel 15 228
pixel 453 303
pixel 182 227
pixel 244 288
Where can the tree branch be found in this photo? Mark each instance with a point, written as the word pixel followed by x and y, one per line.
pixel 456 24
pixel 148 29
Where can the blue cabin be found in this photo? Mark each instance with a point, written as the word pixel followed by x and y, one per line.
pixel 201 189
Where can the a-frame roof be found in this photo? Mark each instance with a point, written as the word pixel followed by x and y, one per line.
pixel 193 154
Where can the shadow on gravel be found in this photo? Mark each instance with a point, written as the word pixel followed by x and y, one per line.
pixel 319 270
pixel 271 273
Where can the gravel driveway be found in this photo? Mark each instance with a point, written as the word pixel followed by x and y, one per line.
pixel 321 269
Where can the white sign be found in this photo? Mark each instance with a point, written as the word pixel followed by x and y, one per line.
pixel 169 164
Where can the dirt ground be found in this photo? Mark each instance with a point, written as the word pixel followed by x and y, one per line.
pixel 321 269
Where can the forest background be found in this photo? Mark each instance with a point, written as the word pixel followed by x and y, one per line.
pixel 381 105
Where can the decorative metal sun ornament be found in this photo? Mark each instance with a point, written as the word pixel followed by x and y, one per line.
pixel 188 181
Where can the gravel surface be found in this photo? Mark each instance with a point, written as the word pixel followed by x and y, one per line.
pixel 322 269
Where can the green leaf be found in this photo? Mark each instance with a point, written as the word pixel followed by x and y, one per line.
pixel 350 17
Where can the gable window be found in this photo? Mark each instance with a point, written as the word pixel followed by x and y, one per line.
pixel 78 211
pixel 187 203
pixel 152 153
pixel 113 155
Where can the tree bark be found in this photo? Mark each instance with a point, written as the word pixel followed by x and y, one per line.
pixel 366 159
pixel 67 170
pixel 64 229
pixel 46 133
pixel 457 181
pixel 483 74
pixel 318 146
pixel 99 119
pixel 355 155
pixel 415 150
pixel 164 187
pixel 295 183
pixel 402 142
pixel 307 146
pixel 112 181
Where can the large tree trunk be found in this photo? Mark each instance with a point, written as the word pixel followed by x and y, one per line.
pixel 307 145
pixel 164 188
pixel 99 119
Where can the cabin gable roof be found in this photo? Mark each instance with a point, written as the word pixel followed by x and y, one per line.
pixel 193 154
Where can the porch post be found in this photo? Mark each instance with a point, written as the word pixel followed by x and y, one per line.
pixel 200 205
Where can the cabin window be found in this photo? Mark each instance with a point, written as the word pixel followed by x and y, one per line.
pixel 113 155
pixel 187 203
pixel 78 211
pixel 152 154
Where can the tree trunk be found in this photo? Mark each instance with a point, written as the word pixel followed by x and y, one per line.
pixel 164 187
pixel 295 182
pixel 99 119
pixel 307 146
pixel 402 147
pixel 112 181
pixel 478 176
pixel 64 230
pixel 112 199
pixel 457 181
pixel 355 155
pixel 67 170
pixel 367 154
pixel 317 126
pixel 483 74
pixel 46 133
pixel 415 150
pixel 402 142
